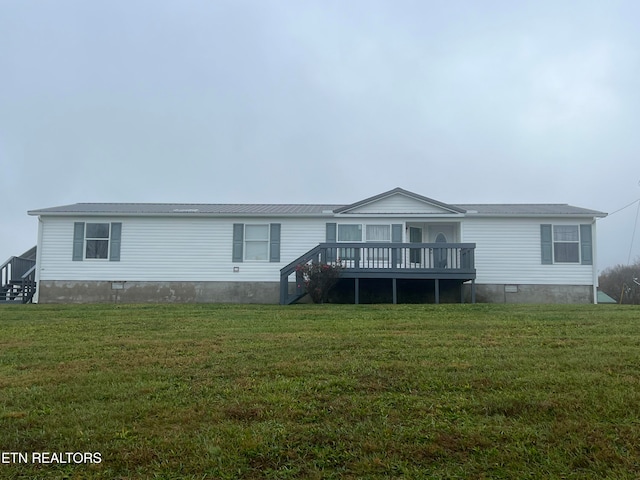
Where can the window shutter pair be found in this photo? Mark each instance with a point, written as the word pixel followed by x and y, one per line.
pixel 238 242
pixel 586 244
pixel 115 240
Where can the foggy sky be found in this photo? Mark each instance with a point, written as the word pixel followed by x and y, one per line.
pixel 320 102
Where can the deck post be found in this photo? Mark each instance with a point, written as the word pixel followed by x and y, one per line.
pixel 394 287
pixel 437 290
pixel 284 289
pixel 461 292
pixel 356 282
pixel 473 290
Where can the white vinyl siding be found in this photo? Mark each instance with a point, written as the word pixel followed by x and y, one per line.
pixel 200 249
pixel 172 249
pixel 508 251
pixel 399 204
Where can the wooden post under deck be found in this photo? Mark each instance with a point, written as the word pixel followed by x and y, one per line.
pixel 357 290
pixel 394 286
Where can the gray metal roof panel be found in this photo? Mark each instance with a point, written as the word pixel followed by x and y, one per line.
pixel 293 209
pixel 528 209
pixel 186 208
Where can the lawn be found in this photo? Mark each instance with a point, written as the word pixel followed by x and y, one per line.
pixel 319 391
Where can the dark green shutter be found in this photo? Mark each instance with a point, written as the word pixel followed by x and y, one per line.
pixel 274 243
pixel 546 244
pixel 586 244
pixel 238 240
pixel 332 237
pixel 78 241
pixel 116 234
pixel 396 237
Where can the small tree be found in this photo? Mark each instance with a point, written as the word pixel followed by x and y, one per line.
pixel 619 282
pixel 319 279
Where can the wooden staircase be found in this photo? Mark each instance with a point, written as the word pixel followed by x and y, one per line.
pixel 18 278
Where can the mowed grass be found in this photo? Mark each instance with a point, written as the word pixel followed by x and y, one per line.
pixel 322 391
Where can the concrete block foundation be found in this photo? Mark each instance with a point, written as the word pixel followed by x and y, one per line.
pixel 59 291
pixel 65 291
pixel 518 293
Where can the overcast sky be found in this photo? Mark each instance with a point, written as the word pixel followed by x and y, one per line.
pixel 320 102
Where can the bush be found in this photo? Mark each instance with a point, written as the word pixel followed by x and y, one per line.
pixel 319 279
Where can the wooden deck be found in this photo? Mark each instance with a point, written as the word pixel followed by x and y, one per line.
pixel 430 261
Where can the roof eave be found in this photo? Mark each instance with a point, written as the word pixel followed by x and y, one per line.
pixel 536 215
pixel 176 215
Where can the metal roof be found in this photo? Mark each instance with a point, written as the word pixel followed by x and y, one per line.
pixel 186 209
pixel 224 209
pixel 536 209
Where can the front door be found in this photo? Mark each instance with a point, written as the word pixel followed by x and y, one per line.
pixel 440 254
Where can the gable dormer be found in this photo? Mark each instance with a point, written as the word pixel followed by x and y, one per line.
pixel 399 201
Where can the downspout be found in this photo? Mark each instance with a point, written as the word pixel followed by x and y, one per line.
pixel 594 246
pixel 36 296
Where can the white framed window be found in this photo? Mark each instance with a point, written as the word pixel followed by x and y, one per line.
pixel 256 242
pixel 566 244
pixel 349 232
pixel 97 241
pixel 378 233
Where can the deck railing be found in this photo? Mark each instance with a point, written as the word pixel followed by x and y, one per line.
pixel 385 260
pixel 17 279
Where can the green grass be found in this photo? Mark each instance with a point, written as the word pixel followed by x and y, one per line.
pixel 421 391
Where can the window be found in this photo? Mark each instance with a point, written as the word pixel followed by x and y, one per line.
pixel 378 233
pixel 566 244
pixel 349 233
pixel 97 240
pixel 256 241
pixel 354 233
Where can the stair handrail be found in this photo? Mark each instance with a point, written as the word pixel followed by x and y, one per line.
pixel 28 272
pixel 4 272
pixel 7 262
pixel 291 267
pixel 304 258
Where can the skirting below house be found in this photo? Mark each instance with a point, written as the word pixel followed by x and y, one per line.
pixel 67 291
pixel 512 293
pixel 58 291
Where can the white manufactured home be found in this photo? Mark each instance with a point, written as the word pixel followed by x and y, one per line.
pixel 399 244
